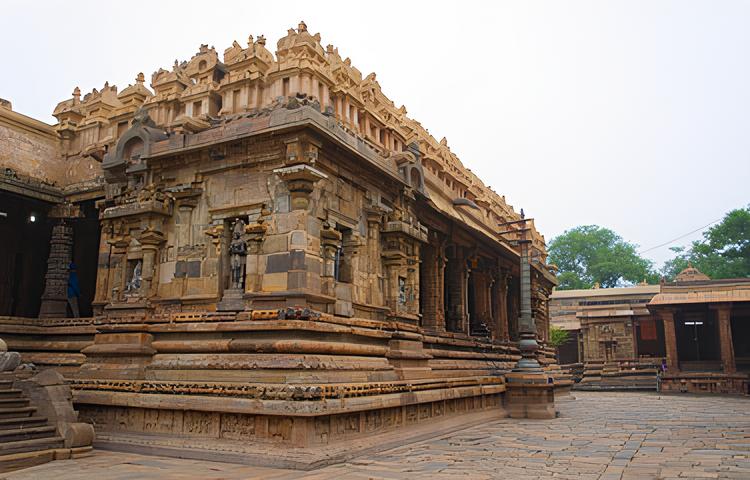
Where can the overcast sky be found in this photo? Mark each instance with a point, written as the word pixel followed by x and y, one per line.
pixel 634 115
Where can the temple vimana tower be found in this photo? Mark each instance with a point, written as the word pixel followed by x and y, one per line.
pixel 269 250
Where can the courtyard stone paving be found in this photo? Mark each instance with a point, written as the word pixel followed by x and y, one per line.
pixel 598 436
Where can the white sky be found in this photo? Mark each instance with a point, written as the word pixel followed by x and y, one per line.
pixel 634 115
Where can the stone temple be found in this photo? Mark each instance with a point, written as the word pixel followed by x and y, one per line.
pixel 270 253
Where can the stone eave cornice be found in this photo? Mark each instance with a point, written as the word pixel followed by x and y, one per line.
pixel 31 187
pixel 19 121
pixel 305 117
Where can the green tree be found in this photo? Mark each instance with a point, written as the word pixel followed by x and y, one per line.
pixel 724 251
pixel 557 336
pixel 590 254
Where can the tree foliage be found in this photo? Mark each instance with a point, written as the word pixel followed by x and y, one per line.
pixel 724 251
pixel 590 254
pixel 557 336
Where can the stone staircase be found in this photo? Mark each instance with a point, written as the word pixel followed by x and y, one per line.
pixel 26 439
pixel 627 374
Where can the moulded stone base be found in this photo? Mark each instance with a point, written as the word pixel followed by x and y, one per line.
pixel 206 433
pixel 709 382
pixel 530 396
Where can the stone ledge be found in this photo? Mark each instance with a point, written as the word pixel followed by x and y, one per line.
pixel 292 408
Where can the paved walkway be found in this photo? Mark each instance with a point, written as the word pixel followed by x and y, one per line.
pixel 598 436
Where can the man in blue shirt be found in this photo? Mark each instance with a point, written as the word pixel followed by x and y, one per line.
pixel 74 290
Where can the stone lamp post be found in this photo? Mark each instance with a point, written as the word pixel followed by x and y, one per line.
pixel 530 392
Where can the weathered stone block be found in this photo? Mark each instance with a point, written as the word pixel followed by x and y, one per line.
pixel 277 263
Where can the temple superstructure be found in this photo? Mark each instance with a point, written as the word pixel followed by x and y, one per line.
pixel 273 252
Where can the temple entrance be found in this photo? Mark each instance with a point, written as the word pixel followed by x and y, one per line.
pixel 24 247
pixel 650 338
pixel 697 341
pixel 86 232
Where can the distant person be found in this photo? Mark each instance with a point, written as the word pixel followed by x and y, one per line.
pixel 74 291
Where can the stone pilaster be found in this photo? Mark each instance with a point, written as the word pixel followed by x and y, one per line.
pixel 723 317
pixel 670 340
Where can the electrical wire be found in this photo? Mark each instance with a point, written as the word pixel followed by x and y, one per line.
pixel 681 236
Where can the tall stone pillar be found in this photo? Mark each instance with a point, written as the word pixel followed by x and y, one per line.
pixel 102 272
pixel 55 297
pixel 429 288
pixel 723 317
pixel 670 340
pixel 457 273
pixel 375 264
pixel 531 392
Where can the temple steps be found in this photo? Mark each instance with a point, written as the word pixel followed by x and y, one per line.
pixel 10 392
pixel 15 412
pixel 22 433
pixel 26 439
pixel 22 422
pixel 31 445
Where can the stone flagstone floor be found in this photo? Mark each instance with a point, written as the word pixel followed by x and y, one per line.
pixel 598 436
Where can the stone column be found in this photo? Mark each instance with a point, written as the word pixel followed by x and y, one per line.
pixel 723 317
pixel 375 293
pixel 670 340
pixel 531 392
pixel 150 241
pixel 429 288
pixel 503 331
pixel 102 272
pixel 55 297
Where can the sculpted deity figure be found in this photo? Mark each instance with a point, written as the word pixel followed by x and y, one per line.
pixel 135 281
pixel 237 252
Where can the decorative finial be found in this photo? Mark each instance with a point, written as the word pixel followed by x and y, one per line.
pixel 77 93
pixel 140 78
pixel 249 40
pixel 523 215
pixel 261 40
pixel 302 27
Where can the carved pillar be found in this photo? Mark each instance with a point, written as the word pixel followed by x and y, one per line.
pixel 670 340
pixel 393 263
pixel 723 320
pixel 457 276
pixel 501 313
pixel 55 297
pixel 117 270
pixel 375 293
pixel 102 270
pixel 412 280
pixel 300 176
pixel 442 261
pixel 429 288
pixel 330 240
pixel 150 241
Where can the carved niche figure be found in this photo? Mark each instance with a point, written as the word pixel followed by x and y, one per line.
pixel 237 252
pixel 134 284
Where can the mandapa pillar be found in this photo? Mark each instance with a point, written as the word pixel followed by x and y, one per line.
pixel 723 317
pixel 670 341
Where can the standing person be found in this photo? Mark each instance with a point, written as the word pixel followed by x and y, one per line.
pixel 74 290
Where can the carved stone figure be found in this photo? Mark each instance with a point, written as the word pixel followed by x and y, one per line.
pixel 134 284
pixel 237 252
